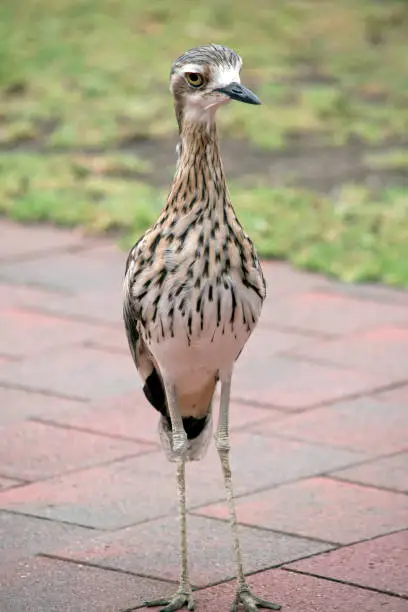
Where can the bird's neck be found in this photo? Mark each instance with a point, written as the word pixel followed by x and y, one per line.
pixel 199 178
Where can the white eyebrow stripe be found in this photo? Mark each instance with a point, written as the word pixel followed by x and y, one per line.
pixel 224 75
pixel 192 68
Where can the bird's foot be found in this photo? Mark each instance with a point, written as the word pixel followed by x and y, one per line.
pixel 181 599
pixel 250 602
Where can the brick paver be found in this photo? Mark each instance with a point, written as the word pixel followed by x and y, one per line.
pixel 332 315
pixel 17 405
pixel 131 416
pixel 380 564
pixel 55 450
pixel 322 508
pixel 364 424
pixel 22 536
pixel 18 241
pixel 6 483
pixel 387 473
pixel 382 351
pixel 23 332
pixel 53 585
pixel 296 593
pixel 78 372
pixel 319 445
pixel 121 493
pixel 398 395
pixel 294 384
pixel 155 545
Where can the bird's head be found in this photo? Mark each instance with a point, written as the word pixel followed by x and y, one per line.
pixel 205 78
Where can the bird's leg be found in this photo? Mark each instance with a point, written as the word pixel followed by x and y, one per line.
pixel 243 594
pixel 183 596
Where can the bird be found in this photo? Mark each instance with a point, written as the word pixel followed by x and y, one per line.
pixel 193 292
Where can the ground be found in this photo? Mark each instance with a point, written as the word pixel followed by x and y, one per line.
pixel 318 173
pixel 319 445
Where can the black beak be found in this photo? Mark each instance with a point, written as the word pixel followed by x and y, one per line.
pixel 236 91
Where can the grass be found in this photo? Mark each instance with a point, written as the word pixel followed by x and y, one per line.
pixel 92 72
pixel 81 76
pixel 355 236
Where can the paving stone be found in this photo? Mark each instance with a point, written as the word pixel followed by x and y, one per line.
pixel 31 451
pixel 7 483
pixel 368 292
pixel 76 372
pixel 23 240
pixel 296 593
pixel 17 405
pixel 23 536
pixel 112 340
pixel 363 425
pixel 51 585
pixel 24 332
pixel 142 488
pixel 20 296
pixel 395 396
pixel 281 278
pixel 131 416
pixel 389 472
pixel 325 313
pixel 104 306
pixel 265 344
pixel 153 549
pixel 292 384
pixel 382 351
pixel 380 564
pixel 322 508
pixel 96 269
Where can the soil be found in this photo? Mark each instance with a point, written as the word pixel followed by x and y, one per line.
pixel 306 162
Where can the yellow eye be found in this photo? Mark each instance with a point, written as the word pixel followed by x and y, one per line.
pixel 194 79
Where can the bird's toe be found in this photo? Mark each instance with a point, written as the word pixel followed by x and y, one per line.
pixel 251 603
pixel 179 601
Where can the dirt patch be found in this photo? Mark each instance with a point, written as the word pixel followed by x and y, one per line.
pixel 306 162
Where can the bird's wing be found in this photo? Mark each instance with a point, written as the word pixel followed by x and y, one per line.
pixel 153 385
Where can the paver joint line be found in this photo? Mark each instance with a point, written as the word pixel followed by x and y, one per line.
pixel 338 581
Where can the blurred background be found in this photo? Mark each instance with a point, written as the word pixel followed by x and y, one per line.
pixel 318 173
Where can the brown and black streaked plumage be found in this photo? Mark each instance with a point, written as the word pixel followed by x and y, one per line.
pixel 194 289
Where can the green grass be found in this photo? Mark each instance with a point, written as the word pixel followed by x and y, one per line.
pixel 97 70
pixel 86 75
pixel 356 237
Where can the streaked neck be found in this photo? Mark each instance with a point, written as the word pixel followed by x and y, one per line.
pixel 199 177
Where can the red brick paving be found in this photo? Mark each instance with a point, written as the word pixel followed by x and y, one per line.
pixel 17 405
pixel 321 508
pixel 382 351
pixel 398 395
pixel 294 384
pixel 53 585
pixel 364 424
pixel 77 372
pixel 298 593
pixel 311 397
pixel 55 450
pixel 325 313
pixel 381 564
pixel 23 332
pixel 156 545
pixel 388 473
pixel 6 483
pixel 130 416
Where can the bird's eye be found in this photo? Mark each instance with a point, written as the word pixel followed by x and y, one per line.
pixel 194 79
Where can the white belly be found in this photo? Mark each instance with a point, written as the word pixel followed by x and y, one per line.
pixel 209 343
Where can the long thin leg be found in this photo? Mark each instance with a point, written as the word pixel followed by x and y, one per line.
pixel 183 596
pixel 243 596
